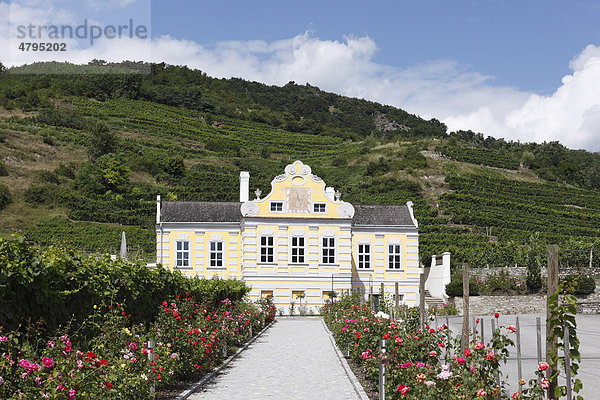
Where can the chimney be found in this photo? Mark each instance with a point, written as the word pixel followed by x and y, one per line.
pixel 158 209
pixel 244 186
pixel 330 192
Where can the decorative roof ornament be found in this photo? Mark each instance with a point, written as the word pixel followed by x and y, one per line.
pixel 249 209
pixel 338 195
pixel 257 192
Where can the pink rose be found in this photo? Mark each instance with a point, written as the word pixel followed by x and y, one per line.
pixel 481 393
pixel 47 362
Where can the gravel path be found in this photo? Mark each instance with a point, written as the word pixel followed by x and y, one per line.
pixel 294 359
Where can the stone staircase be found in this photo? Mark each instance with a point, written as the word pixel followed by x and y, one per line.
pixel 432 301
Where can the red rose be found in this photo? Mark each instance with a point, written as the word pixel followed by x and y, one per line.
pixel 108 385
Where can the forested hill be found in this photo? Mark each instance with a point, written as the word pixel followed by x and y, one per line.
pixel 83 156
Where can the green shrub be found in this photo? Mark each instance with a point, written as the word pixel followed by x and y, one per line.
pixel 66 170
pixel 578 284
pixel 3 169
pixel 174 166
pixel 58 286
pixel 455 287
pixel 43 194
pixel 502 283
pixel 101 140
pixel 49 177
pixel 5 197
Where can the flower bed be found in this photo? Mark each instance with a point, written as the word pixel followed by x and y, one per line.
pixel 117 363
pixel 96 319
pixel 424 363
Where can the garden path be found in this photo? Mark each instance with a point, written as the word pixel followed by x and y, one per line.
pixel 294 359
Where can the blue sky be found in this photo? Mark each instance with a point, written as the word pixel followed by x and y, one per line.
pixel 526 44
pixel 524 70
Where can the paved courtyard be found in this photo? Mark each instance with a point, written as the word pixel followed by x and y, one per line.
pixel 294 359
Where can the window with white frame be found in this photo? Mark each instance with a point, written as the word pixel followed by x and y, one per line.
pixel 266 249
pixel 328 250
pixel 297 249
pixel 364 256
pixel 182 253
pixel 276 206
pixel 319 208
pixel 394 256
pixel 215 254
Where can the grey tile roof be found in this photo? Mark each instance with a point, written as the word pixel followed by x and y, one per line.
pixel 220 211
pixel 200 211
pixel 382 215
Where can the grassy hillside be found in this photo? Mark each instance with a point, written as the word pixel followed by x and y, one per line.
pixel 82 157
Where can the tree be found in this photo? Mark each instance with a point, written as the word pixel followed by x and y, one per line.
pixel 5 197
pixel 174 166
pixel 533 261
pixel 101 141
pixel 115 175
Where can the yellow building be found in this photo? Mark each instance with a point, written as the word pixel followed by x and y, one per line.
pixel 299 243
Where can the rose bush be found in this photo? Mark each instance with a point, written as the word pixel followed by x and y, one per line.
pixel 423 363
pixel 190 339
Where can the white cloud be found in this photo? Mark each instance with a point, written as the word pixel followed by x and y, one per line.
pixel 443 89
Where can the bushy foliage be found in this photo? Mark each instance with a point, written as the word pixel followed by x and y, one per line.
pixel 174 166
pixel 58 286
pixel 49 177
pixel 5 197
pixel 3 169
pixel 502 283
pixel 104 174
pixel 101 139
pixel 578 284
pixel 455 287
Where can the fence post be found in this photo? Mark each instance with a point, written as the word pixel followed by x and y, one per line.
pixel 422 299
pixel 224 347
pixel 538 324
pixel 382 370
pixel 150 356
pixel 397 300
pixel 482 334
pixel 519 371
pixel 464 344
pixel 568 363
pixel 493 321
pixel 552 288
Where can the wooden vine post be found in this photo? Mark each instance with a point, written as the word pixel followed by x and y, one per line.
pixel 552 288
pixel 422 300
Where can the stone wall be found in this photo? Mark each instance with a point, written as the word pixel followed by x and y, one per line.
pixel 521 272
pixel 488 305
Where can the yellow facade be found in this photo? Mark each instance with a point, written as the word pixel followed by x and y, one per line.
pixel 298 243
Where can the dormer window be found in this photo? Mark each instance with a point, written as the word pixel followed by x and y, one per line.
pixel 276 206
pixel 320 208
